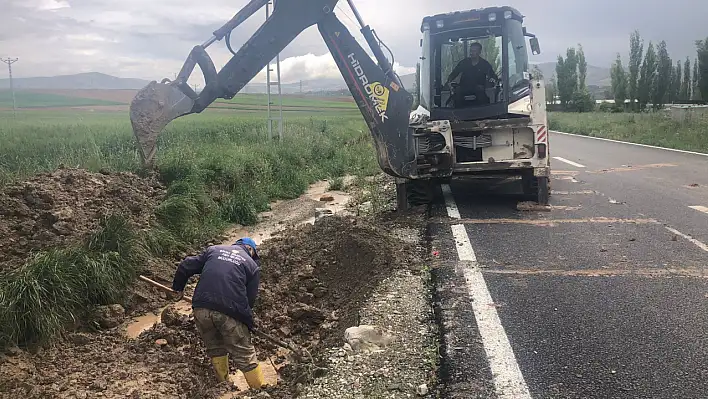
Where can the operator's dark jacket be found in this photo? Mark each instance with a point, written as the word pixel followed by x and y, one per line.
pixel 228 283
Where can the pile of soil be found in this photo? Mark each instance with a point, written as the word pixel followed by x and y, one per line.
pixel 314 281
pixel 62 207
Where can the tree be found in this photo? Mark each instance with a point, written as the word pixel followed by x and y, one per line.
pixel 675 83
pixel 619 82
pixel 663 77
pixel 552 90
pixel 685 94
pixel 647 75
pixel 582 68
pixel 696 81
pixel 702 46
pixel 636 48
pixel 567 73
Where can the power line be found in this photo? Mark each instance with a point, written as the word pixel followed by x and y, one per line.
pixel 9 61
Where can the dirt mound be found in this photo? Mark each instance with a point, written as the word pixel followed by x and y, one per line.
pixel 58 208
pixel 316 278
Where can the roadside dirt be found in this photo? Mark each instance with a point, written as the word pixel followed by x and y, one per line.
pixel 62 207
pixel 316 277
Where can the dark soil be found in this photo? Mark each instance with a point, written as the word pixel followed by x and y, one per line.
pixel 62 207
pixel 314 281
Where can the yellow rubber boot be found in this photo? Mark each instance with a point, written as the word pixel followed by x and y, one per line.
pixel 221 367
pixel 254 378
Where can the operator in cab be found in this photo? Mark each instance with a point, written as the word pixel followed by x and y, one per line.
pixel 476 75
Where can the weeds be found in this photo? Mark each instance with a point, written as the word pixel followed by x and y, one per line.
pixel 55 288
pixel 336 184
pixel 653 129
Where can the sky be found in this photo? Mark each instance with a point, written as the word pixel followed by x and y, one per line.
pixel 150 39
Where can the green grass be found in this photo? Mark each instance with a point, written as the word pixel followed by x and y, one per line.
pixel 57 287
pixel 220 168
pixel 656 129
pixel 26 99
pixel 289 101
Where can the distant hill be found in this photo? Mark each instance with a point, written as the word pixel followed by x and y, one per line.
pixel 90 80
pixel 597 76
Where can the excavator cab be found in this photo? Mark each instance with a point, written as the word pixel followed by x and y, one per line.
pixel 475 80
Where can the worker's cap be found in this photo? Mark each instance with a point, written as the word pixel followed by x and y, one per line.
pixel 246 241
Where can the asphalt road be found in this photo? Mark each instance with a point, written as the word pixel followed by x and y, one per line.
pixel 606 296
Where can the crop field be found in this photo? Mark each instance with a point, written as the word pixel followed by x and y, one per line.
pixel 29 99
pixel 656 129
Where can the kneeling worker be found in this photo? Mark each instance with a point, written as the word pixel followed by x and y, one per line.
pixel 223 302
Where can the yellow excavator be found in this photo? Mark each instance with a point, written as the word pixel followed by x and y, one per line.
pixel 497 129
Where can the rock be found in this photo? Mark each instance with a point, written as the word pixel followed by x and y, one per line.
pixel 305 312
pixel 170 317
pixel 99 385
pixel 322 212
pixel 13 351
pixel 311 284
pixel 79 339
pixel 262 394
pixel 305 297
pixel 161 342
pixel 367 338
pixel 285 330
pixel 326 198
pixel 110 316
pixel 62 228
pixel 319 292
pixel 422 390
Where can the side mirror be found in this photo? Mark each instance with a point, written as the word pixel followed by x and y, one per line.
pixel 535 46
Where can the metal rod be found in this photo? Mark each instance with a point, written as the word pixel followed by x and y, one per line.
pixel 280 100
pixel 356 13
pixel 209 42
pixel 270 120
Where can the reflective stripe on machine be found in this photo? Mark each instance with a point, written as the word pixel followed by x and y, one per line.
pixel 542 135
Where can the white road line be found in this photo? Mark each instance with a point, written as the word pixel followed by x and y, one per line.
pixel 462 242
pixel 700 208
pixel 577 165
pixel 689 238
pixel 452 210
pixel 509 382
pixel 635 144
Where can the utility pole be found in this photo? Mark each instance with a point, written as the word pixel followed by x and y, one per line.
pixel 9 61
pixel 270 83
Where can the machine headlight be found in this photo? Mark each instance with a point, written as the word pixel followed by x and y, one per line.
pixel 492 17
pixel 440 23
pixel 426 26
pixel 507 14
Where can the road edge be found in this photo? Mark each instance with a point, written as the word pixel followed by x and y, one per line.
pixel 630 143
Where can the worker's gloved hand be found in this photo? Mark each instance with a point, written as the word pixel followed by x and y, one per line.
pixel 176 295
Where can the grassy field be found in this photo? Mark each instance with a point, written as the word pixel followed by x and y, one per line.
pixel 292 101
pixel 25 99
pixel 219 167
pixel 653 129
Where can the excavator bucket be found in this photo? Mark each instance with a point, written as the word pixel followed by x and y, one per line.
pixel 153 108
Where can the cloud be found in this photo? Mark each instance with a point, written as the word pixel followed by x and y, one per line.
pixel 151 39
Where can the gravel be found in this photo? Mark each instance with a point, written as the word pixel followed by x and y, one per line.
pixel 401 306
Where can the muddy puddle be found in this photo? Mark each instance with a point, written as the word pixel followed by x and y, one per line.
pixel 295 212
pixel 140 324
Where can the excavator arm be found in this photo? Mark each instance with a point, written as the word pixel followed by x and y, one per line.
pixel 377 90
